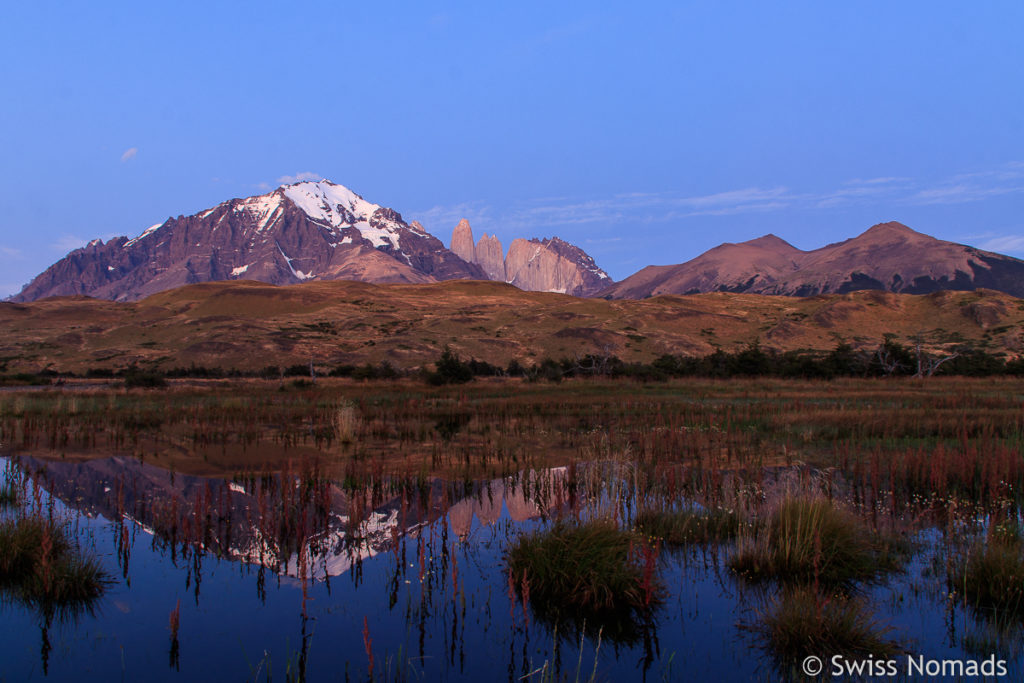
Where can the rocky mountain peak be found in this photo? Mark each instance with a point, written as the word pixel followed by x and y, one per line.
pixel 462 241
pixel 302 231
pixel 548 265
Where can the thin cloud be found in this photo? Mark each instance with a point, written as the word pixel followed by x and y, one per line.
pixel 298 178
pixel 129 154
pixel 11 252
pixel 735 199
pixel 441 220
pixel 1004 244
pixel 886 180
pixel 660 207
pixel 67 243
pixel 958 194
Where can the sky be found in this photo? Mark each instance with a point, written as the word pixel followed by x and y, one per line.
pixel 644 135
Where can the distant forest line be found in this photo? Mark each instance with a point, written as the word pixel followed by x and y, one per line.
pixel 889 359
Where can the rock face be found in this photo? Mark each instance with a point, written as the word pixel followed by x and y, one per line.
pixel 305 231
pixel 462 241
pixel 552 265
pixel 548 265
pixel 888 256
pixel 489 255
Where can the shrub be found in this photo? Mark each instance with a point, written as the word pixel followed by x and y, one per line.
pixel 450 369
pixel 144 379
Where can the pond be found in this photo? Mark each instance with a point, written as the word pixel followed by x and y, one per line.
pixel 298 575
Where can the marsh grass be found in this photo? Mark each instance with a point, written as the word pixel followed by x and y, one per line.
pixel 679 527
pixel 991 575
pixel 589 566
pixel 810 540
pixel 41 568
pixel 804 622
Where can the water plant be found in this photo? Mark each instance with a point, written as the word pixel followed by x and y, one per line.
pixel 803 622
pixel 39 566
pixel 590 566
pixel 679 527
pixel 991 576
pixel 810 539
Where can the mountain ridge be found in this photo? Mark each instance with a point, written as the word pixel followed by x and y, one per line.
pixel 887 256
pixel 298 232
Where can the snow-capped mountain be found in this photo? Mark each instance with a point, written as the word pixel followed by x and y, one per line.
pixel 304 231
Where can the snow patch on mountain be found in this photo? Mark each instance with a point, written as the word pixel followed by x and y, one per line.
pixel 263 209
pixel 339 207
pixel 145 233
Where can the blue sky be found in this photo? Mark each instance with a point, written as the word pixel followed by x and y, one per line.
pixel 644 135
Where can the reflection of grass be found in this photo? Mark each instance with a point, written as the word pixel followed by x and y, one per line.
pixel 803 622
pixel 992 574
pixel 8 495
pixel 689 526
pixel 808 539
pixel 40 567
pixel 591 566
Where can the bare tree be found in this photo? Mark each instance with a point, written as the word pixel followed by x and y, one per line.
pixel 928 364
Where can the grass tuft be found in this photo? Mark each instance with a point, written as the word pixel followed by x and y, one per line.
pixel 39 566
pixel 992 575
pixel 803 622
pixel 808 539
pixel 591 565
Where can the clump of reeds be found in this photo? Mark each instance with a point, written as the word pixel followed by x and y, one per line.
pixel 803 622
pixel 809 539
pixel 991 575
pixel 680 527
pixel 345 421
pixel 39 566
pixel 590 565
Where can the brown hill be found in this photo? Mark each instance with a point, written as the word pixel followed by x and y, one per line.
pixel 887 257
pixel 251 325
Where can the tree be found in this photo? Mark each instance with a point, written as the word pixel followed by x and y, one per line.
pixel 450 369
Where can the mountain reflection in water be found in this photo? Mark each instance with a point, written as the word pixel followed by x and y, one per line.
pixel 296 523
